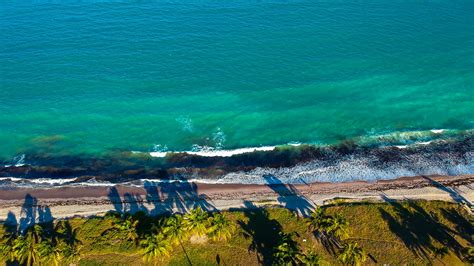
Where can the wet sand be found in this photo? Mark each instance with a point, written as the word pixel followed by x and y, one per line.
pixel 85 201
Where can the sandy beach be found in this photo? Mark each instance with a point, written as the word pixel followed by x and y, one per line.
pixel 88 201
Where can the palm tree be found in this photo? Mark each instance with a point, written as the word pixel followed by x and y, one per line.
pixel 6 243
pixel 67 244
pixel 26 247
pixel 6 251
pixel 440 252
pixel 220 228
pixel 69 253
pixel 128 226
pixel 312 259
pixel 470 254
pixel 174 228
pixel 317 220
pixel 155 246
pixel 337 226
pixel 287 251
pixel 175 231
pixel 353 255
pixel 197 221
pixel 49 253
pixel 24 251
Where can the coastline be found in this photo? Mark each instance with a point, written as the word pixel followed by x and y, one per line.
pixel 344 162
pixel 65 202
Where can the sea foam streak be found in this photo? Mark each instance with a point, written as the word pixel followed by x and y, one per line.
pixel 216 152
pixel 17 161
pixel 399 139
pixel 46 181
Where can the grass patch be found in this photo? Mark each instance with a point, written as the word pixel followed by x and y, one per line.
pixel 395 233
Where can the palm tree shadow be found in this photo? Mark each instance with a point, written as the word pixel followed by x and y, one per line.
pixel 11 224
pixel 28 212
pixel 264 232
pixel 164 198
pixel 176 196
pixel 44 214
pixel 133 203
pixel 420 231
pixel 329 244
pixel 32 213
pixel 289 196
pixel 115 199
pixel 455 195
pixel 463 226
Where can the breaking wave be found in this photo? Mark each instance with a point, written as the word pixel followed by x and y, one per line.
pixel 399 154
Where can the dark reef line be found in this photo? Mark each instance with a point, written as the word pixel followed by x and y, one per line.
pixel 127 166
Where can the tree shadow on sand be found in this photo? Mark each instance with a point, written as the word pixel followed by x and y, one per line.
pixel 421 232
pixel 264 232
pixel 289 196
pixel 178 196
pixel 455 195
pixel 32 213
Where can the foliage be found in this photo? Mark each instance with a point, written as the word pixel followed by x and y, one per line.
pixel 196 221
pixel 470 254
pixel 42 243
pixel 6 243
pixel 317 220
pixel 287 251
pixel 155 246
pixel 174 228
pixel 312 259
pixel 259 227
pixel 220 228
pixel 352 255
pixel 26 248
pixel 128 226
pixel 440 252
pixel 337 226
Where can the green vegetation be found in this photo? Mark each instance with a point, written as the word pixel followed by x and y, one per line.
pixel 352 254
pixel 47 244
pixel 411 232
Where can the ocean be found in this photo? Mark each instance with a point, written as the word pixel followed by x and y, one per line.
pixel 83 81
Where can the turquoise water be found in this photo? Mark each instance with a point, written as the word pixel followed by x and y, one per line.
pixel 95 77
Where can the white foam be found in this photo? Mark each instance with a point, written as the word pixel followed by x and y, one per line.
pixel 95 183
pixel 347 168
pixel 50 181
pixel 352 169
pixel 423 143
pixel 157 153
pixel 213 152
pixel 216 152
pixel 18 161
pixel 437 131
pixel 401 146
pixel 14 179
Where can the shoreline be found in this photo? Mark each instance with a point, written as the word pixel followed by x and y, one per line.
pixel 65 202
pixel 344 162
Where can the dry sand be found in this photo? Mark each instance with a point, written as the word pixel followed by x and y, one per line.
pixel 87 201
